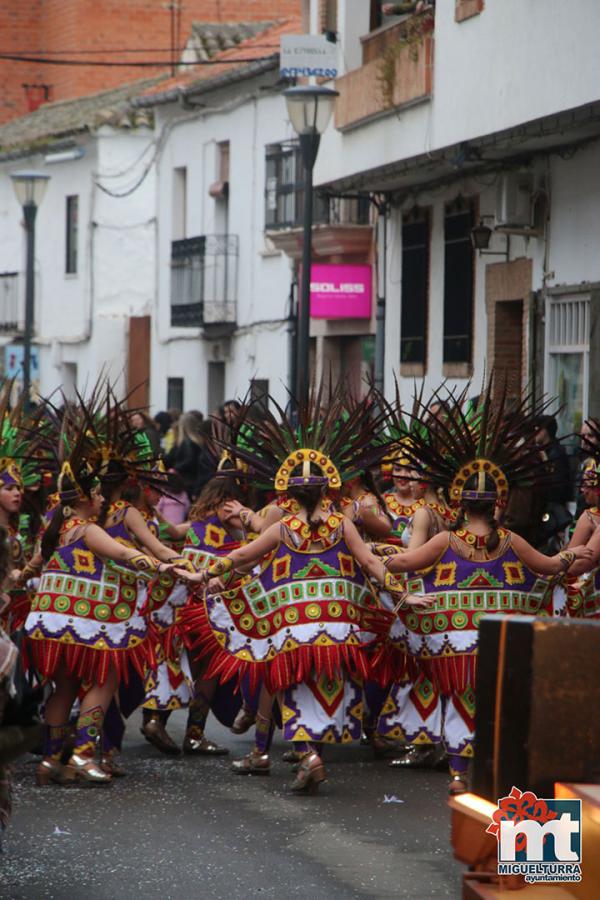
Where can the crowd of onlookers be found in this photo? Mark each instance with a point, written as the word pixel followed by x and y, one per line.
pixel 182 439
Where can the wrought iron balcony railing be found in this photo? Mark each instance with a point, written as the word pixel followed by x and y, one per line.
pixel 204 280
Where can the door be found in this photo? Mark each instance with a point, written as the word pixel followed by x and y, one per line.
pixel 216 386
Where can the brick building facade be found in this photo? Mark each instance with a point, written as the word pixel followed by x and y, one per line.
pixel 78 29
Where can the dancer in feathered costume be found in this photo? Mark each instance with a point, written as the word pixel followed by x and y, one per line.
pixel 79 634
pixel 168 682
pixel 127 463
pixel 387 708
pixel 17 472
pixel 179 681
pixel 405 497
pixel 478 568
pixel 359 501
pixel 583 586
pixel 412 709
pixel 305 624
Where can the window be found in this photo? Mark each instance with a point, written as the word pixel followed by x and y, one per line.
pixel 71 242
pixel 415 287
pixel 179 201
pixel 259 391
pixel 458 282
pixel 175 393
pixel 567 358
pixel 219 190
pixel 187 281
pixel 284 189
pixel 328 16
pixel 223 161
pixel 216 386
pixel 69 380
pixel 380 16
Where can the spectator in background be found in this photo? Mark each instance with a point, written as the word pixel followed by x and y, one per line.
pixel 174 506
pixel 189 457
pixel 230 411
pixel 163 422
pixel 556 517
pixel 170 438
pixel 141 421
pixel 545 437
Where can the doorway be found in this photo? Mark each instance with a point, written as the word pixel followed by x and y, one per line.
pixel 508 346
pixel 216 386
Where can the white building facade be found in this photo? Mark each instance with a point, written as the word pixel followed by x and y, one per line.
pixel 95 240
pixel 224 292
pixel 470 113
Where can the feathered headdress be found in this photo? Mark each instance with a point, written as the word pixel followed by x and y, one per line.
pixel 221 446
pixel 115 449
pixel 87 440
pixel 494 438
pixel 18 431
pixel 332 441
pixel 400 428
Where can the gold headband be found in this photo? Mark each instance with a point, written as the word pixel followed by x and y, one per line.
pixel 305 457
pixel 481 468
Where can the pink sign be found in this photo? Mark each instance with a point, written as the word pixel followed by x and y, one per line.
pixel 340 292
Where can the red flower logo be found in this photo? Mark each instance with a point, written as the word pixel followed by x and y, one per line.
pixel 518 807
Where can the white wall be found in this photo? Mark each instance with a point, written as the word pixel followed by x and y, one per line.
pixel 575 217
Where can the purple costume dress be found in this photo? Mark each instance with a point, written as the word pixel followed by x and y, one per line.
pixel 206 539
pixel 396 699
pixel 467 582
pixel 304 626
pixel 85 614
pixel 170 686
pixel 583 591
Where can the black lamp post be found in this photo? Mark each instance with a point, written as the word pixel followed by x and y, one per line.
pixel 30 188
pixel 309 108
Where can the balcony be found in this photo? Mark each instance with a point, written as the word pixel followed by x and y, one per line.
pixel 397 71
pixel 341 227
pixel 10 302
pixel 204 282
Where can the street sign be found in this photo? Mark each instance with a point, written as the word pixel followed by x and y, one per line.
pixel 302 55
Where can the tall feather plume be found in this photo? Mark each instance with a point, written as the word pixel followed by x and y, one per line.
pixel 496 428
pixel 348 432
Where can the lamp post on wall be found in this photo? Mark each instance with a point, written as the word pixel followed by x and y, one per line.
pixel 309 108
pixel 30 188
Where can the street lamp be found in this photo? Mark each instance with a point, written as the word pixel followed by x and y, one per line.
pixel 30 188
pixel 309 108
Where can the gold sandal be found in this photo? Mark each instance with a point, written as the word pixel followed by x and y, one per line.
pixel 81 768
pixel 311 773
pixel 49 771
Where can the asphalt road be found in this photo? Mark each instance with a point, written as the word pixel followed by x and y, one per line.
pixel 190 828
